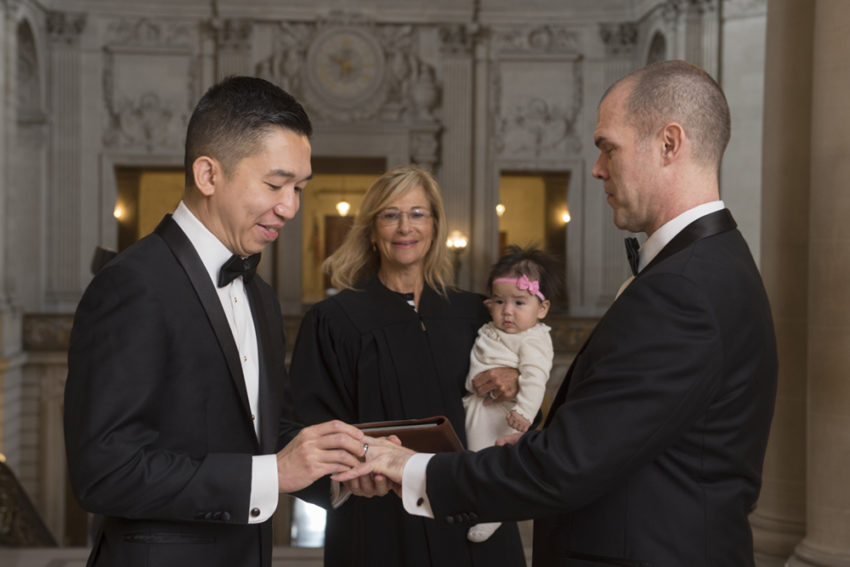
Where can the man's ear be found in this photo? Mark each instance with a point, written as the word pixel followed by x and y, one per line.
pixel 207 173
pixel 673 137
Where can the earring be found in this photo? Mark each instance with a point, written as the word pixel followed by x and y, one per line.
pixel 374 247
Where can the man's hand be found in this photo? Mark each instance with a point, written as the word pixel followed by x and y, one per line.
pixel 374 484
pixel 384 458
pixel 497 385
pixel 318 450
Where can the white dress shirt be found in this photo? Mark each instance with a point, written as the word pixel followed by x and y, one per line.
pixel 414 482
pixel 234 301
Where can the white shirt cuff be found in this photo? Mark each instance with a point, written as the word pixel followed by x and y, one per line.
pixel 339 494
pixel 413 486
pixel 264 494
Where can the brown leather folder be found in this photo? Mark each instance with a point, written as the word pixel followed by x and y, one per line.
pixel 427 435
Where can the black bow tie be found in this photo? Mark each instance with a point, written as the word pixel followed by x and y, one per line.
pixel 238 266
pixel 632 247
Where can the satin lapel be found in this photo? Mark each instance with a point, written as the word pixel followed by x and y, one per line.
pixel 703 227
pixel 267 392
pixel 185 253
pixel 709 225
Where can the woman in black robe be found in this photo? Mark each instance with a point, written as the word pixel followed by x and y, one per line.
pixel 394 344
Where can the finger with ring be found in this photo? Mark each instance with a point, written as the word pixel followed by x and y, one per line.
pixel 365 449
pixel 492 394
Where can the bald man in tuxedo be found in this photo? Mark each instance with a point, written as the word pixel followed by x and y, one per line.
pixel 652 451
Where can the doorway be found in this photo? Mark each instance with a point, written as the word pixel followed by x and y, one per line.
pixel 328 206
pixel 533 211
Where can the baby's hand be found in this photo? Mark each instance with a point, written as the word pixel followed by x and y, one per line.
pixel 518 422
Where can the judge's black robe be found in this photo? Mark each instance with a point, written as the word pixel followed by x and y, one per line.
pixel 367 355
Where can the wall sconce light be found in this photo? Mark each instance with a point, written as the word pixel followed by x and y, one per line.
pixel 343 207
pixel 457 243
pixel 118 212
pixel 500 209
pixel 565 217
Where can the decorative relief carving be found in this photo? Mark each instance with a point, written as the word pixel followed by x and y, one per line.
pixel 672 9
pixel 146 34
pixel 286 62
pixel 549 40
pixel 138 116
pixel 619 38
pixel 65 28
pixel 346 69
pixel 234 34
pixel 457 39
pixel 28 86
pixel 145 121
pixel 536 120
pixel 425 147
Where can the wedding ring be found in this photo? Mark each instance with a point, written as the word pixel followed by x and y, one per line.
pixel 365 449
pixel 492 394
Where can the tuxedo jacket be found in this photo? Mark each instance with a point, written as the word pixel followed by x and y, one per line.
pixel 652 451
pixel 159 432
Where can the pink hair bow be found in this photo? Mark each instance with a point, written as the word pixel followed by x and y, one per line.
pixel 525 284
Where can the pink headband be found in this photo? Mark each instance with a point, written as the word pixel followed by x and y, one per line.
pixel 523 283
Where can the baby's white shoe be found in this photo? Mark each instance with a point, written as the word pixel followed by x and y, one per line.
pixel 481 532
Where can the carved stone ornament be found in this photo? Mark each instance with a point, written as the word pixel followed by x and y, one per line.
pixel 619 38
pixel 425 147
pixel 540 123
pixel 234 34
pixel 28 86
pixel 349 70
pixel 145 121
pixel 548 40
pixel 147 34
pixel 457 39
pixel 65 28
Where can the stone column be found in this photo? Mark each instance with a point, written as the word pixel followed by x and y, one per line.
pixel 828 462
pixel 620 40
pixel 12 436
pixel 64 265
pixel 484 233
pixel 457 118
pixel 233 41
pixel 779 520
pixel 710 36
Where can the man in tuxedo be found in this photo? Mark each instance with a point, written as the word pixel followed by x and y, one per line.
pixel 652 451
pixel 175 421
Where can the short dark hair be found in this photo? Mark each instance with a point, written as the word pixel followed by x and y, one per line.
pixel 532 262
pixel 234 115
pixel 681 92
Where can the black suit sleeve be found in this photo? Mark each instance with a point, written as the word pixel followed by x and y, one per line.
pixel 127 352
pixel 649 372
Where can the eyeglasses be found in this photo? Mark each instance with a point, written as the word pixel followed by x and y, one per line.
pixel 389 217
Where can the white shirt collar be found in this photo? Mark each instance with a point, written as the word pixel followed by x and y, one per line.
pixel 661 237
pixel 212 252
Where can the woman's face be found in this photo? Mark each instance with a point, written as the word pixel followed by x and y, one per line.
pixel 404 231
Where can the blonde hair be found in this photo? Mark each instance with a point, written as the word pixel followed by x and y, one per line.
pixel 357 259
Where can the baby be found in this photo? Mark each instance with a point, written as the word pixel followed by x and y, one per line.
pixel 521 284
